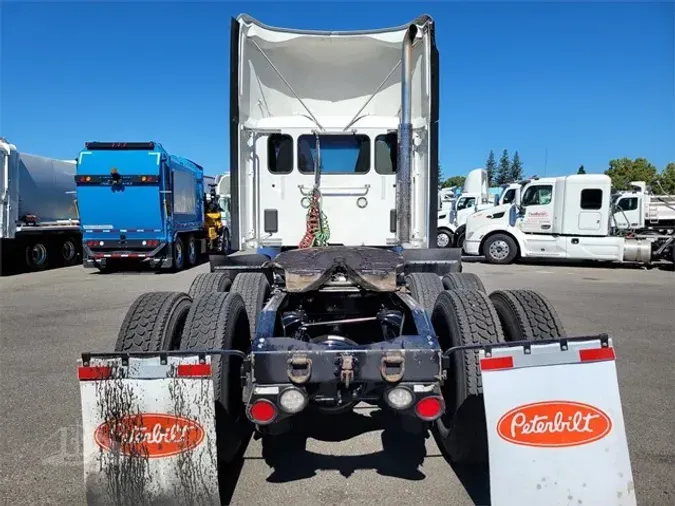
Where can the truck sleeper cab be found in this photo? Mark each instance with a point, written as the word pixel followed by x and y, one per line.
pixel 139 204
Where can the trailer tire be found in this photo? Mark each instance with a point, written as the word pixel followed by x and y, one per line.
pixel 219 321
pixel 424 288
pixel 526 315
pixel 154 322
pixel 208 282
pixel 463 317
pixel 463 281
pixel 500 249
pixel 69 251
pixel 255 290
pixel 37 255
pixel 178 254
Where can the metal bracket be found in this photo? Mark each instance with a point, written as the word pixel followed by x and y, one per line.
pixel 299 368
pixel 347 363
pixel 392 360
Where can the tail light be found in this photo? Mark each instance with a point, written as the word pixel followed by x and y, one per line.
pixel 399 398
pixel 293 400
pixel 430 408
pixel 262 412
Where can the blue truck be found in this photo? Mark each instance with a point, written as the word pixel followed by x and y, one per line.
pixel 139 204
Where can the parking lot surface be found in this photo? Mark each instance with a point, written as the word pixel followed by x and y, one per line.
pixel 48 318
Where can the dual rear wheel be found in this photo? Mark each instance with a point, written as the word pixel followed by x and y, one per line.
pixel 462 313
pixel 213 315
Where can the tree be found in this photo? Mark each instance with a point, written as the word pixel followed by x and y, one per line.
pixel 667 180
pixel 581 170
pixel 624 170
pixel 491 167
pixel 453 181
pixel 504 170
pixel 516 173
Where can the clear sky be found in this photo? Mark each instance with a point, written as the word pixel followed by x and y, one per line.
pixel 586 82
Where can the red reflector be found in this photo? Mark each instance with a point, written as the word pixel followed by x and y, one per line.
pixel 494 363
pixel 262 411
pixel 193 370
pixel 595 354
pixel 429 408
pixel 94 373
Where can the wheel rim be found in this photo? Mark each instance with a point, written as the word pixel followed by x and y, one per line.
pixel 179 253
pixel 38 254
pixel 192 251
pixel 68 251
pixel 499 250
pixel 442 240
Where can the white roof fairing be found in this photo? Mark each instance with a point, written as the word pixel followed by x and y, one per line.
pixel 333 73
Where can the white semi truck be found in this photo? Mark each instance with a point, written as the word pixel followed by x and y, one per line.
pixel 39 222
pixel 324 126
pixel 474 197
pixel 575 217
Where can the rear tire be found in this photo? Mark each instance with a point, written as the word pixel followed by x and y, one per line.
pixel 460 318
pixel 424 288
pixel 69 251
pixel 209 282
pixel 500 249
pixel 154 322
pixel 255 290
pixel 526 315
pixel 192 255
pixel 37 255
pixel 178 254
pixel 219 321
pixel 463 281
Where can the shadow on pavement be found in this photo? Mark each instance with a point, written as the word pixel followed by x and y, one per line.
pixel 402 454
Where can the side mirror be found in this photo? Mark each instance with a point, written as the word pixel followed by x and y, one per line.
pixel 521 208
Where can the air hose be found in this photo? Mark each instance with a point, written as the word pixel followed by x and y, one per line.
pixel 317 232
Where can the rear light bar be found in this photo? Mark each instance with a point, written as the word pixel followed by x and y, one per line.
pixel 508 362
pixel 120 146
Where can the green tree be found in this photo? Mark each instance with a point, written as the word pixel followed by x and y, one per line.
pixel 581 170
pixel 491 167
pixel 454 181
pixel 624 170
pixel 504 170
pixel 516 173
pixel 667 180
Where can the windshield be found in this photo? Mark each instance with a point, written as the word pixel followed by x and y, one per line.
pixel 339 154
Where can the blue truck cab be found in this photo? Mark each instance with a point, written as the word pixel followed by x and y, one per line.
pixel 138 203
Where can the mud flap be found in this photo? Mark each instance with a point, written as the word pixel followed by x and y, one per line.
pixel 440 261
pixel 556 431
pixel 148 431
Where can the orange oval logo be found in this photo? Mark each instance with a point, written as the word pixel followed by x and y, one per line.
pixel 149 435
pixel 554 424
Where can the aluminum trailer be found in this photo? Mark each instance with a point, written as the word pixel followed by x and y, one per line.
pixel 312 331
pixel 39 222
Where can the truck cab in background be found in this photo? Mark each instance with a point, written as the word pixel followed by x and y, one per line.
pixel 564 217
pixel 638 210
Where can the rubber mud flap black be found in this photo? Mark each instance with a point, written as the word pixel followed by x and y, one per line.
pixel 500 249
pixel 463 281
pixel 219 321
pixel 154 322
pixel 526 315
pixel 437 260
pixel 463 317
pixel 255 290
pixel 424 288
pixel 208 282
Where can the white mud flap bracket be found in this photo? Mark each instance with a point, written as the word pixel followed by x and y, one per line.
pixel 556 432
pixel 149 430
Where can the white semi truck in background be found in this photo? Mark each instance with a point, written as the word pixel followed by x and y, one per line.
pixel 578 218
pixel 475 197
pixel 39 222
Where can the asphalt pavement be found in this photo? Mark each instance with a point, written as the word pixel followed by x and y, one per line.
pixel 48 318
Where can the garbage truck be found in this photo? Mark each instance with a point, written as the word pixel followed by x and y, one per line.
pixel 366 311
pixel 39 222
pixel 141 205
